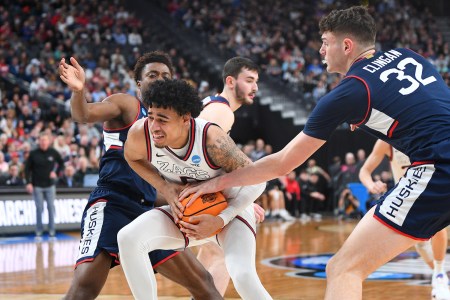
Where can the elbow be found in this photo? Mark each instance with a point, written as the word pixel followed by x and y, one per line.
pixel 362 175
pixel 130 161
pixel 126 156
pixel 79 118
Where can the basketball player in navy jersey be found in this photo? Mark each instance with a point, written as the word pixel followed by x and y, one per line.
pixel 433 255
pixel 121 195
pixel 397 96
pixel 181 149
pixel 240 79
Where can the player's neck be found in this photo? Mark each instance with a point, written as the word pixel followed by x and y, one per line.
pixel 364 53
pixel 181 146
pixel 234 104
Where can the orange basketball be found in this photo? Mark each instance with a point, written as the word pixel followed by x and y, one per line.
pixel 211 204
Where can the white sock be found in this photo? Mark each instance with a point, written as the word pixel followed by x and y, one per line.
pixel 425 251
pixel 438 267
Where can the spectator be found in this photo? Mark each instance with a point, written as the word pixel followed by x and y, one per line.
pixel 38 84
pixel 258 152
pixel 68 179
pixel 134 38
pixel 119 37
pixel 349 172
pixel 348 205
pixel 277 201
pixel 292 194
pixel 28 118
pixel 41 178
pixel 61 146
pixel 14 178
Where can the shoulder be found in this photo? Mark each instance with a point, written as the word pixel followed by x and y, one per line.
pixel 122 99
pixel 217 107
pixel 137 127
pixel 214 134
pixel 54 151
pixel 220 114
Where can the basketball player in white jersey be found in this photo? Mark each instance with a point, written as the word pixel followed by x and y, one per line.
pixel 240 77
pixel 180 149
pixel 399 163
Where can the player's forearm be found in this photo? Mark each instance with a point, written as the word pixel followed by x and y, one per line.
pixel 244 197
pixel 366 178
pixel 79 107
pixel 146 171
pixel 263 170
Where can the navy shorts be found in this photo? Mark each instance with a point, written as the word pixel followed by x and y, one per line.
pixel 105 214
pixel 419 205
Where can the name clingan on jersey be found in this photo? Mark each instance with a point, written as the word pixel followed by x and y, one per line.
pixel 382 61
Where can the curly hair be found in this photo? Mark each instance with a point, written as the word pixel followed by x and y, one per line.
pixel 355 21
pixel 152 57
pixel 176 94
pixel 235 65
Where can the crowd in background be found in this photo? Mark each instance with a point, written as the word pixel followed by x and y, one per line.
pixel 281 36
pixel 34 36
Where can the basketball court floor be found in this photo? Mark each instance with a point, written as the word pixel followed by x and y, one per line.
pixel 291 259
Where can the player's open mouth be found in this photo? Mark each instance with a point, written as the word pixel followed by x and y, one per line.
pixel 157 137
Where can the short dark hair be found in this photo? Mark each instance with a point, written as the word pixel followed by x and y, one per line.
pixel 235 65
pixel 152 57
pixel 355 21
pixel 176 94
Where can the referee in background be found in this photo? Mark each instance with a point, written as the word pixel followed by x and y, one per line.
pixel 41 179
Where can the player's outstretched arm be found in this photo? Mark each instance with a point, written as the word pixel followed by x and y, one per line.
pixel 136 156
pixel 269 167
pixel 74 76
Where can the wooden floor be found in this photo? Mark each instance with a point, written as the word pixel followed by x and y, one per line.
pixel 290 261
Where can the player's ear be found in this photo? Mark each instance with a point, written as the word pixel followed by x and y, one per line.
pixel 348 45
pixel 229 81
pixel 187 119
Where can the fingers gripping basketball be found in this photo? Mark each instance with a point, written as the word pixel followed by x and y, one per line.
pixel 211 204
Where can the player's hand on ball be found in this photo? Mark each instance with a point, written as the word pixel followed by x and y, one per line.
pixel 170 193
pixel 202 226
pixel 198 189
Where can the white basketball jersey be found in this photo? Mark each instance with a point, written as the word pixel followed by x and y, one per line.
pixel 399 162
pixel 193 165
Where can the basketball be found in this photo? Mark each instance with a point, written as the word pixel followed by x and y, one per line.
pixel 211 204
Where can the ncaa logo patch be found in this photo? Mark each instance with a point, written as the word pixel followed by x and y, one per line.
pixel 196 159
pixel 408 267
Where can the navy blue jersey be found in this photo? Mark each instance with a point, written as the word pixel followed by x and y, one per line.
pixel 215 99
pixel 397 96
pixel 115 173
